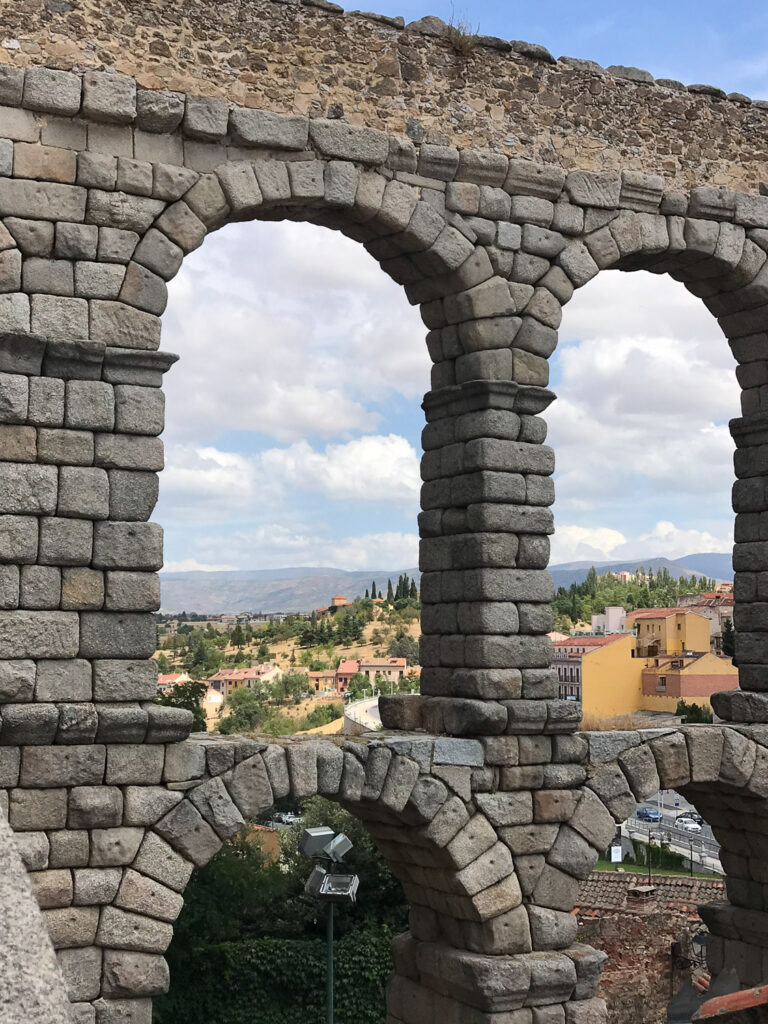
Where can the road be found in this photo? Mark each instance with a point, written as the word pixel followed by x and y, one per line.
pixel 364 713
pixel 701 846
pixel 672 805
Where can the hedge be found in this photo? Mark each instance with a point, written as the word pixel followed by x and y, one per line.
pixel 279 981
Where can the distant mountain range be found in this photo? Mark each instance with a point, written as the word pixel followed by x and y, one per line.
pixel 713 565
pixel 268 590
pixel 302 589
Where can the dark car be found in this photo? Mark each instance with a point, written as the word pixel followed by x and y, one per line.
pixel 693 815
pixel 648 814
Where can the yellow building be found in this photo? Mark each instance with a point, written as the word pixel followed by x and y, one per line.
pixel 600 671
pixel 668 660
pixel 669 631
pixel 693 678
pixel 212 702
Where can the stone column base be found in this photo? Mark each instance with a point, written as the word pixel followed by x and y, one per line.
pixel 434 983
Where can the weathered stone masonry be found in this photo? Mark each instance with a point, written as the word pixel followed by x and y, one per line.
pixel 487 803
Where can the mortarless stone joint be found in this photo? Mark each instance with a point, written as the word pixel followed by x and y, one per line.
pixel 485 800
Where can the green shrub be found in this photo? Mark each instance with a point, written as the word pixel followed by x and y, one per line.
pixel 280 981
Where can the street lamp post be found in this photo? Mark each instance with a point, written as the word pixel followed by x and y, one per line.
pixel 327 850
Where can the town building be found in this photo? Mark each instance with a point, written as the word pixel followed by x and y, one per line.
pixel 668 631
pixel 348 667
pixel 378 671
pixel 388 670
pixel 693 678
pixel 613 620
pixel 323 683
pixel 601 672
pixel 339 601
pixel 167 680
pixel 666 659
pixel 228 679
pixel 714 605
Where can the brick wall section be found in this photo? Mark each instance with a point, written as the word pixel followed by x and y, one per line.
pixel 300 59
pixel 639 975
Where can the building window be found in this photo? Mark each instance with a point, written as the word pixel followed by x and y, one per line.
pixel 662 683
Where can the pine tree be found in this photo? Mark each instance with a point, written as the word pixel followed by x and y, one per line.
pixel 413 594
pixel 374 595
pixel 366 594
pixel 729 646
pixel 390 593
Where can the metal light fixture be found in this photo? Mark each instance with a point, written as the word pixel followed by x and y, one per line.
pixel 337 849
pixel 326 885
pixel 314 840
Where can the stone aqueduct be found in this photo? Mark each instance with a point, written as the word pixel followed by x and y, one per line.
pixel 490 181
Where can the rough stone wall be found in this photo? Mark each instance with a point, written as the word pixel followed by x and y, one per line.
pixel 639 975
pixel 295 58
pixel 497 810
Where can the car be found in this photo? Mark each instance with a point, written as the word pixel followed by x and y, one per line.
pixel 648 814
pixel 693 815
pixel 688 824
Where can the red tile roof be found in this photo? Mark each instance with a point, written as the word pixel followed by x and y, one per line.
pixel 384 662
pixel 168 678
pixel 589 641
pixel 659 613
pixel 348 666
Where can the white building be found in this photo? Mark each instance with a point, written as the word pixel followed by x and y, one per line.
pixel 613 621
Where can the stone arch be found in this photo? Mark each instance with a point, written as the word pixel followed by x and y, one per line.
pixel 107 187
pixel 722 771
pixel 475 938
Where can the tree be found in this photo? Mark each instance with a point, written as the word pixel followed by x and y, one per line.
pixel 367 595
pixel 404 646
pixel 390 593
pixel 263 652
pixel 693 713
pixel 188 696
pixel 237 639
pixel 729 639
pixel 245 709
pixel 163 665
pixel 413 593
pixel 291 685
pixel 358 686
pixel 373 591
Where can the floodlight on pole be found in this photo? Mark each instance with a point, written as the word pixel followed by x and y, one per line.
pixel 314 840
pixel 328 850
pixel 337 849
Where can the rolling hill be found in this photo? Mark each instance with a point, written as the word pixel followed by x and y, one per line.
pixel 715 565
pixel 267 590
pixel 302 589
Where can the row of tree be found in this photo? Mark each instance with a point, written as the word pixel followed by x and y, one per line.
pixel 405 591
pixel 580 601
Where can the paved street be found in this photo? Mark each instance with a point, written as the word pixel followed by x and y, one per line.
pixel 701 846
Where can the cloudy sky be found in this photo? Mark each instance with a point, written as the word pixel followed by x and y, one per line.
pixel 293 417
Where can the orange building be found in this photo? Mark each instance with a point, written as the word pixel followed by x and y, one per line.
pixel 693 678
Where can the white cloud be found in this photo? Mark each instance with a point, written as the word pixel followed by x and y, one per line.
pixel 603 544
pixel 646 390
pixel 274 545
pixel 286 330
pixel 204 484
pixel 582 543
pixel 192 565
pixel 383 469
